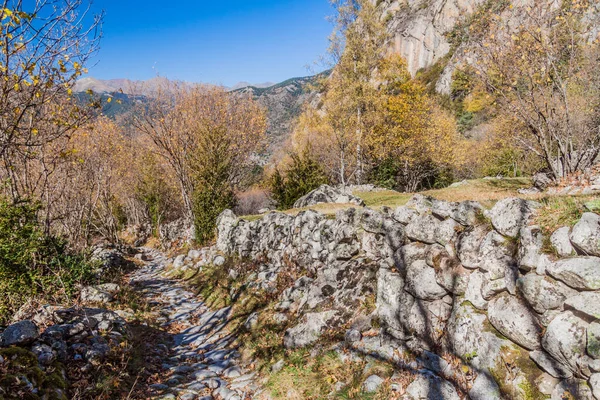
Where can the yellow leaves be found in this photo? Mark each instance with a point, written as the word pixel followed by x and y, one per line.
pixel 109 100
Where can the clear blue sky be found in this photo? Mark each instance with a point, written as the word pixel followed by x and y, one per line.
pixel 219 41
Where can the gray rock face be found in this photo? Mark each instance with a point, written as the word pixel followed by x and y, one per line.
pixel 327 194
pixel 515 320
pixel 585 235
pixel 510 215
pixel 561 242
pixel 565 340
pixel 581 273
pixel 308 331
pixel 20 333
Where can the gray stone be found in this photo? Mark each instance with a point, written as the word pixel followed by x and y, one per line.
pixel 565 340
pixel 427 386
pixel 468 246
pixel 593 341
pixel 353 335
pixel 451 275
pixel 218 261
pixel 582 273
pixel 595 385
pixel 421 282
pixel 572 389
pixel 510 215
pixel 543 293
pixel 496 255
pixel 308 331
pixel 92 294
pixel 515 320
pixel 474 294
pixel 423 228
pixel 372 384
pixel 587 303
pixel 393 303
pixel 278 366
pixel 20 333
pixel 530 249
pixel 404 215
pixel 550 365
pixel 562 243
pixel 585 235
pixel 485 388
pixel 327 194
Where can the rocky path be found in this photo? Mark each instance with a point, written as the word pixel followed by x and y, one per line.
pixel 202 363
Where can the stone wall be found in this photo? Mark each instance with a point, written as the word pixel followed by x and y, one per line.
pixel 469 300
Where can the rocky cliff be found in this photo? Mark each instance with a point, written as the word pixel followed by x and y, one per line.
pixel 467 300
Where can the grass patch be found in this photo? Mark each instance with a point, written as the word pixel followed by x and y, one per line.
pixel 560 211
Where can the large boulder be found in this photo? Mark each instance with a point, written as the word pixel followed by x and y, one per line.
pixel 20 333
pixel 327 194
pixel 510 215
pixel 585 235
pixel 582 273
pixel 515 320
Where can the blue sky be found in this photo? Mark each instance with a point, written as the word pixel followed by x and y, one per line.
pixel 219 41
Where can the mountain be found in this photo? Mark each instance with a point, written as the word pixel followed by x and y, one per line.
pixel 284 102
pixel 241 85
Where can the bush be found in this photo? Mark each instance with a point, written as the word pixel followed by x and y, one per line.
pixel 33 264
pixel 209 202
pixel 301 177
pixel 251 201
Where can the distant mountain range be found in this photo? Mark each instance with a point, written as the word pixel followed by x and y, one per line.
pixel 128 86
pixel 284 101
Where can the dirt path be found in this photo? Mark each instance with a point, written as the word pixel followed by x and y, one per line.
pixel 202 361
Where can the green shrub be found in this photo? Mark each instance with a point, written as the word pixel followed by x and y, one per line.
pixel 210 200
pixel 301 177
pixel 33 264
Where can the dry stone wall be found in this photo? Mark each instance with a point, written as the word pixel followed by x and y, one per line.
pixel 456 288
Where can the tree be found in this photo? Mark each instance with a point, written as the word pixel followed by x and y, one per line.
pixel 543 71
pixel 45 45
pixel 209 137
pixel 302 176
pixel 358 45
